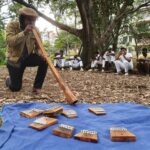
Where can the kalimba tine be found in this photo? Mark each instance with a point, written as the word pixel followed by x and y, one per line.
pixel 88 136
pixel 53 111
pixel 97 110
pixel 121 135
pixel 42 123
pixel 31 113
pixel 64 130
pixel 69 113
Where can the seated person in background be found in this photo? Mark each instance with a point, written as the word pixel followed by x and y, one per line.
pixel 59 60
pixel 76 63
pixel 109 58
pixel 96 60
pixel 143 62
pixel 123 61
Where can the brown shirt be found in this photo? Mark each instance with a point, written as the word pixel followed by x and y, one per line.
pixel 16 40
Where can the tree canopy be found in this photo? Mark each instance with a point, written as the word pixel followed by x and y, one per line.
pixel 99 21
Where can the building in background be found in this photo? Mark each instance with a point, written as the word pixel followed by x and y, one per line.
pixel 135 41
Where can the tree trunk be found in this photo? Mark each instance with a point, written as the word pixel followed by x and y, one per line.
pixel 116 34
pixel 87 34
pixel 88 49
pixel 136 48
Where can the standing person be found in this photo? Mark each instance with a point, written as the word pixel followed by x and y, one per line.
pixel 23 51
pixel 123 61
pixel 59 60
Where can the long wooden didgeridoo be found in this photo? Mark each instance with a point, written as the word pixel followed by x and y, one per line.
pixel 71 99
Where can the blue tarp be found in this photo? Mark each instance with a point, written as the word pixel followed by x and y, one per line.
pixel 15 134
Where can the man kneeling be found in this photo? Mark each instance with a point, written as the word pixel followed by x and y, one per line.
pixel 23 51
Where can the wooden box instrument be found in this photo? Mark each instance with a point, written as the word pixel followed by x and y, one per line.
pixel 53 111
pixel 97 110
pixel 42 123
pixel 31 113
pixel 121 134
pixel 88 136
pixel 70 113
pixel 63 130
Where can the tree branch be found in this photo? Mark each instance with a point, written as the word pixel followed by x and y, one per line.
pixel 120 15
pixel 141 6
pixel 71 30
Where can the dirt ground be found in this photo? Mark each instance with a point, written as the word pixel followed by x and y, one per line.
pixel 90 87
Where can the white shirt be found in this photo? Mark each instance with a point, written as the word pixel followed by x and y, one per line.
pixel 128 55
pixel 76 60
pixel 97 57
pixel 109 57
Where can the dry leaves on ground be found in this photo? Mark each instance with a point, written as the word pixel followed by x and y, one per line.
pixel 89 87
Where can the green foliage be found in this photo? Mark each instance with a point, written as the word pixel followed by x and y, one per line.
pixel 48 47
pixel 1 23
pixel 102 20
pixel 139 27
pixel 143 27
pixel 2 47
pixel 63 5
pixel 58 7
pixel 13 10
pixel 65 40
pixel 62 9
pixel 2 56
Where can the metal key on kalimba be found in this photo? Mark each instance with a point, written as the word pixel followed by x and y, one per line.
pixel 53 111
pixel 97 110
pixel 31 113
pixel 64 130
pixel 88 136
pixel 121 134
pixel 69 113
pixel 42 123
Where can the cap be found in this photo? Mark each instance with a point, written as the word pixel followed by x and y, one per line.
pixel 28 12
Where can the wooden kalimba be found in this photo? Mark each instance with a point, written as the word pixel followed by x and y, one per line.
pixel 63 130
pixel 88 136
pixel 53 111
pixel 97 110
pixel 42 123
pixel 69 113
pixel 31 113
pixel 121 135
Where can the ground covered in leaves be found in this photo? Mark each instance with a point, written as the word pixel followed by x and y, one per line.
pixel 90 87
